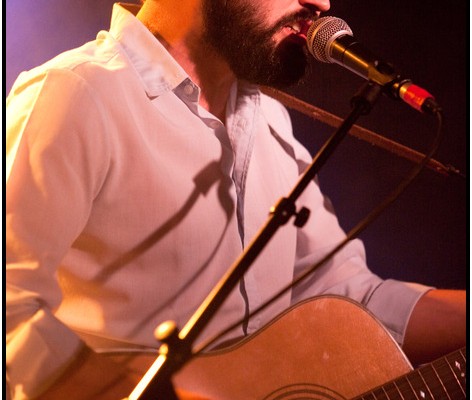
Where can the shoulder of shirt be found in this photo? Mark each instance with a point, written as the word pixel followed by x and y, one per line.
pixel 91 55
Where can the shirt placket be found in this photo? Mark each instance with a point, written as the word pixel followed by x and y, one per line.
pixel 242 125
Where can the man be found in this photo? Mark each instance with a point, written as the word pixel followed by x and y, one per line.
pixel 139 167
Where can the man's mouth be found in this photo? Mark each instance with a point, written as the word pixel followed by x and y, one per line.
pixel 298 28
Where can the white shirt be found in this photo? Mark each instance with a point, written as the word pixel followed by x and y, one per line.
pixel 106 146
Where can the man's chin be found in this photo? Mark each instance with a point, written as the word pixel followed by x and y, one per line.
pixel 288 76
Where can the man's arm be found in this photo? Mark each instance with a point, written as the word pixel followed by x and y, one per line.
pixel 437 325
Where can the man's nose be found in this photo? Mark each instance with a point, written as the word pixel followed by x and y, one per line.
pixel 320 5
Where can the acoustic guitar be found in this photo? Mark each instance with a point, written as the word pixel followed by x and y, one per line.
pixel 326 348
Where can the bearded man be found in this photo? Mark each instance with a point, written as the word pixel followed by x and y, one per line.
pixel 157 132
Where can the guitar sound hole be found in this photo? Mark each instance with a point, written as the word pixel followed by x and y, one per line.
pixel 304 391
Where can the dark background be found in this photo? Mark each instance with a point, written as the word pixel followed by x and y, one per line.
pixel 424 235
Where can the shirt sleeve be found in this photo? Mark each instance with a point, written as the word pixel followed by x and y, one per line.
pixel 53 172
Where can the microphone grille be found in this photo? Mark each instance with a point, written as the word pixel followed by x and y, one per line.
pixel 322 33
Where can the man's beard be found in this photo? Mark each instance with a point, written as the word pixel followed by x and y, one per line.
pixel 233 31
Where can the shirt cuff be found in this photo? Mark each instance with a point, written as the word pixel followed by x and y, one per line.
pixel 392 303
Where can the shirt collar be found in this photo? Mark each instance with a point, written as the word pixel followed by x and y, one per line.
pixel 156 67
pixel 160 72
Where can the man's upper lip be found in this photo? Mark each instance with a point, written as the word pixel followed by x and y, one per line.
pixel 301 26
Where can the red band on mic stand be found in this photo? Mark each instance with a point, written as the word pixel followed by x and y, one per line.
pixel 415 96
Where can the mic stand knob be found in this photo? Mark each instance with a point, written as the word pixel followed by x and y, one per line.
pixel 173 347
pixel 173 353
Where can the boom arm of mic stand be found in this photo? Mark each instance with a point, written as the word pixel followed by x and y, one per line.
pixel 359 132
pixel 176 349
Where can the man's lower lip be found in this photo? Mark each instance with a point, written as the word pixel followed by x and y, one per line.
pixel 298 38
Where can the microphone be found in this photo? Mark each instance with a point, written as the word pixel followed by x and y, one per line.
pixel 330 40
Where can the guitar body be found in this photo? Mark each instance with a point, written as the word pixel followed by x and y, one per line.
pixel 324 348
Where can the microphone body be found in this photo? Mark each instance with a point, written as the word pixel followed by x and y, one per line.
pixel 330 40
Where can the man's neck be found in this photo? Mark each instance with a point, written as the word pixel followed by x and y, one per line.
pixel 182 38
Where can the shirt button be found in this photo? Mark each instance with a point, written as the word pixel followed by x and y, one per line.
pixel 188 90
pixel 214 124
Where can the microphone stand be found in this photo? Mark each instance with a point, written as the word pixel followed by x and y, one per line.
pixel 176 349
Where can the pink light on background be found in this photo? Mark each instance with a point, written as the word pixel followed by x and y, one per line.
pixel 37 30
